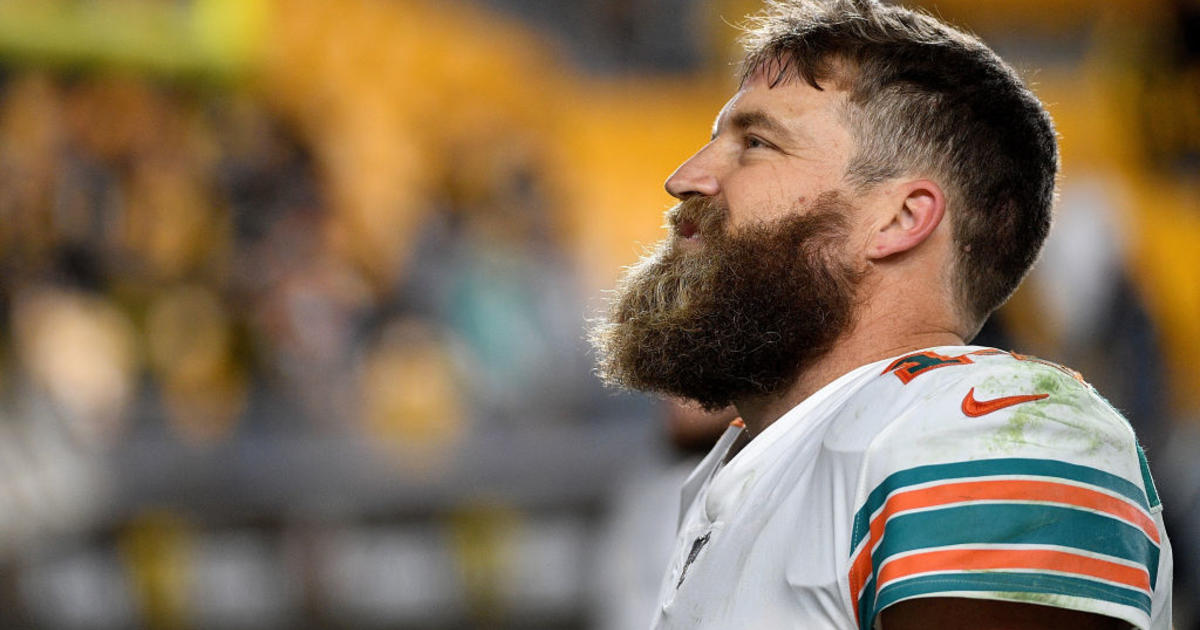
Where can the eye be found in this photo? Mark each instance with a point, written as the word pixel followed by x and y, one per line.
pixel 754 142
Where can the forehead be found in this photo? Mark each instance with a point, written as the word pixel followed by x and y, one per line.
pixel 808 115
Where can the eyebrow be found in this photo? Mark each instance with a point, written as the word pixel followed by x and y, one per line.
pixel 757 118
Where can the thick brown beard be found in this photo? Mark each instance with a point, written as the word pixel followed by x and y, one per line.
pixel 739 317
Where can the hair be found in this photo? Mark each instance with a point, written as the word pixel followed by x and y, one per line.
pixel 924 97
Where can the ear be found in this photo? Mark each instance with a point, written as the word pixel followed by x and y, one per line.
pixel 915 209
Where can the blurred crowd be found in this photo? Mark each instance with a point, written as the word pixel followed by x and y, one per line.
pixel 170 246
pixel 226 262
pixel 387 225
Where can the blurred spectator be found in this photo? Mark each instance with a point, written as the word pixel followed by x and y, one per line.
pixel 78 353
pixel 487 264
pixel 412 392
pixel 190 348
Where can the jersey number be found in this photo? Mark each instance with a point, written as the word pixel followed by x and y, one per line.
pixel 910 367
pixel 907 368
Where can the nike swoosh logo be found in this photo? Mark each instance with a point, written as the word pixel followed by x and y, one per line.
pixel 976 408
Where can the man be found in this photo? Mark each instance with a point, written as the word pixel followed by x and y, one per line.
pixel 879 184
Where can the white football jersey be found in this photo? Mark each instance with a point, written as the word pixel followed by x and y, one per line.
pixel 951 472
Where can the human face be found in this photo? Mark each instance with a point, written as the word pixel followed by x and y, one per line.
pixel 754 284
pixel 773 150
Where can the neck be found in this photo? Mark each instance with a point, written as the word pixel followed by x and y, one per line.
pixel 858 347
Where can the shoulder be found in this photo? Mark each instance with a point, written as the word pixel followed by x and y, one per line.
pixel 982 482
pixel 970 402
pixel 986 403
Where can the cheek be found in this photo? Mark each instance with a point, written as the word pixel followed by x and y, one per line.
pixel 764 201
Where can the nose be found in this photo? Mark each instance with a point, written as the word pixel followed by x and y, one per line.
pixel 694 177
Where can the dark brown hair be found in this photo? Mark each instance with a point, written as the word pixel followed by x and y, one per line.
pixel 925 98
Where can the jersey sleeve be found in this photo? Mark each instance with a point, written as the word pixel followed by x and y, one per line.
pixel 1012 483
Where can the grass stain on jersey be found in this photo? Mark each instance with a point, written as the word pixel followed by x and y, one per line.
pixel 1055 384
pixel 1028 416
pixel 1069 391
pixel 1044 599
pixel 1068 399
pixel 1012 434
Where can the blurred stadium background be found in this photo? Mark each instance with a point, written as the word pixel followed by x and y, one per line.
pixel 292 293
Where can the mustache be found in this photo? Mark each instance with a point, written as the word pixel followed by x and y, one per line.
pixel 697 215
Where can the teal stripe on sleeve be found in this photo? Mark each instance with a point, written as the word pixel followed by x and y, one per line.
pixel 1030 524
pixel 1147 480
pixel 866 606
pixel 958 471
pixel 1023 585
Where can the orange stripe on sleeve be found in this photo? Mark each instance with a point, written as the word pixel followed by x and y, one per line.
pixel 1017 559
pixel 860 571
pixel 1016 490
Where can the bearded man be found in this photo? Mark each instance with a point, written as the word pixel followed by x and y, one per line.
pixel 879 184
